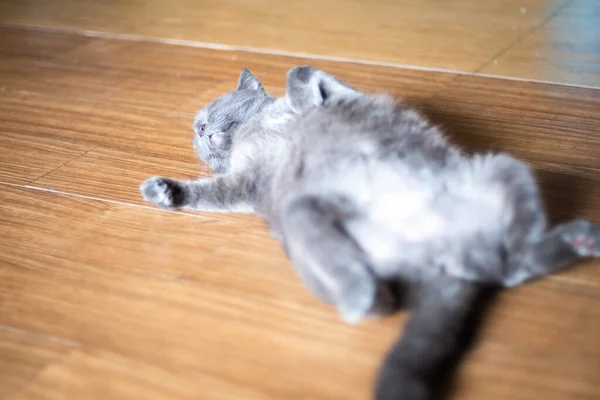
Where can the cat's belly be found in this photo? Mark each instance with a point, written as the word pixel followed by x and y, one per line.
pixel 398 227
pixel 411 217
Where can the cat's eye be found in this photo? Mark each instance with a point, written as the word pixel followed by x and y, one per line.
pixel 202 127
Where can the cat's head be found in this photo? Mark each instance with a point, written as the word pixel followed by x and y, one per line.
pixel 217 123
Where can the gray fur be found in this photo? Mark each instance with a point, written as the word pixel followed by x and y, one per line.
pixel 361 190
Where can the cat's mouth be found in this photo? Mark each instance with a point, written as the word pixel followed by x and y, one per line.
pixel 203 137
pixel 214 139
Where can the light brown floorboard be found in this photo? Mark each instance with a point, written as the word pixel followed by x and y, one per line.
pixel 25 159
pixel 85 372
pixel 161 321
pixel 96 275
pixel 458 34
pixel 23 355
pixel 93 234
pixel 166 77
pixel 555 128
pixel 537 122
pixel 539 342
pixel 169 305
pixel 566 49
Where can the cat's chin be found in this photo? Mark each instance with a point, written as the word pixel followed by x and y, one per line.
pixel 218 166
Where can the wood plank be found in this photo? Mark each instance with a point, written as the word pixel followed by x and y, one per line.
pixel 171 305
pixel 158 87
pixel 238 322
pixel 553 357
pixel 24 354
pixel 459 34
pixel 24 159
pixel 179 243
pixel 41 134
pixel 93 274
pixel 536 344
pixel 566 49
pixel 538 122
pixel 537 360
pixel 126 144
pixel 85 373
pixel 556 129
pixel 138 74
pixel 174 78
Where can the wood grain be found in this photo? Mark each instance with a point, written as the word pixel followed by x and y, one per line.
pixel 85 372
pixel 566 49
pixel 556 129
pixel 26 158
pixel 232 321
pixel 96 287
pixel 459 34
pixel 85 285
pixel 67 100
pixel 548 40
pixel 24 354
pixel 165 77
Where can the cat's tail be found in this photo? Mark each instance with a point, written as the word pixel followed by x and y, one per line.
pixel 437 334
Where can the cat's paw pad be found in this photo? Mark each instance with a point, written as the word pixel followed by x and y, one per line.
pixel 584 236
pixel 163 192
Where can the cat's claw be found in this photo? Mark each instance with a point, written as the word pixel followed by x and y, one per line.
pixel 163 192
pixel 584 236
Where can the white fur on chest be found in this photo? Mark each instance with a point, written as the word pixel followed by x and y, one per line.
pixel 401 202
pixel 408 213
pixel 263 142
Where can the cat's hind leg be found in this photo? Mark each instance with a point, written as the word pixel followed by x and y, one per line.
pixel 328 260
pixel 556 249
pixel 528 250
pixel 532 251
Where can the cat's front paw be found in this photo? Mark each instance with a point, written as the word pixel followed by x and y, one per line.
pixel 584 236
pixel 356 299
pixel 165 193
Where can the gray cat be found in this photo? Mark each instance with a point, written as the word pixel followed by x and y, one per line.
pixel 362 191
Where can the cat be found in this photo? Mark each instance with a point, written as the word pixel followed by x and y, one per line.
pixel 361 190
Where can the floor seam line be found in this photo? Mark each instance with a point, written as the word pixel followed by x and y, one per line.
pixel 62 165
pixel 5 89
pixel 59 360
pixel 543 22
pixel 123 203
pixel 43 336
pixel 162 277
pixel 291 54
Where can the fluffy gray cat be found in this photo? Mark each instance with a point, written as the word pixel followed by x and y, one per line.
pixel 362 191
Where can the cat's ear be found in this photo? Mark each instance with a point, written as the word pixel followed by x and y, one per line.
pixel 307 87
pixel 247 81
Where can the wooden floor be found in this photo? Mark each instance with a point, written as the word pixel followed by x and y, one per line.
pixel 547 40
pixel 103 297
